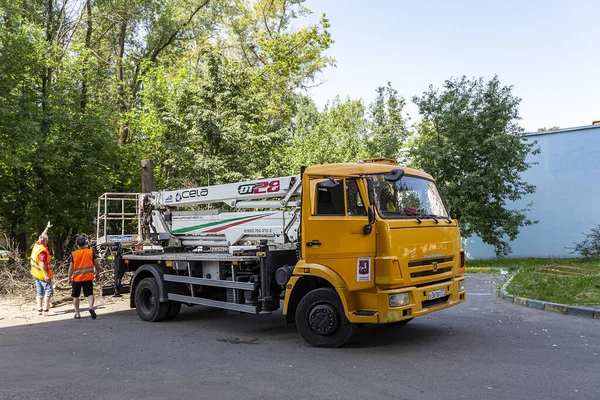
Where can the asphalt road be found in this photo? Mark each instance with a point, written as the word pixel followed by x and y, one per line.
pixel 485 348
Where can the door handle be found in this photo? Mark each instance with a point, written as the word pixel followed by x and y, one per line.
pixel 313 243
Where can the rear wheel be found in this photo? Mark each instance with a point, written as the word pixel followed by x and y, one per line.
pixel 147 303
pixel 174 308
pixel 321 320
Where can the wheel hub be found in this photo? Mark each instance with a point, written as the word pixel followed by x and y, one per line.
pixel 323 319
pixel 148 299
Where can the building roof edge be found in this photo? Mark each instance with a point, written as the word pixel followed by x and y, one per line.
pixel 577 128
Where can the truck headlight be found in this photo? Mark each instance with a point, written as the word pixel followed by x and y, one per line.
pixel 461 285
pixel 398 299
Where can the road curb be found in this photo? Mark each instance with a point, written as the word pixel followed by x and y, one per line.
pixel 579 311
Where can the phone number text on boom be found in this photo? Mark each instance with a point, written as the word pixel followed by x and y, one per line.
pixel 263 231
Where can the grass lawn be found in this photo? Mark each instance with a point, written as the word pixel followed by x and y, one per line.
pixel 564 281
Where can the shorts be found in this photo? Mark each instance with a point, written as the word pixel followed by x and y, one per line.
pixel 43 288
pixel 88 288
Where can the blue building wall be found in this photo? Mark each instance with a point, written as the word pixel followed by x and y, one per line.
pixel 567 197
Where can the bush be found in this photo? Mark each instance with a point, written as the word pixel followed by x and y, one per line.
pixel 590 247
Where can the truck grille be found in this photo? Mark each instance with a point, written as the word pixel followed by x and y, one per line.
pixel 430 273
pixel 430 263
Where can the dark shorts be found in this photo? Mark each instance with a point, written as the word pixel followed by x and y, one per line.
pixel 88 288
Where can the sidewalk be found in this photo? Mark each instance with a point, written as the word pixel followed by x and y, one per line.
pixel 19 311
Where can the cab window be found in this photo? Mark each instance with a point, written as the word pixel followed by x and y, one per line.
pixel 353 199
pixel 330 197
pixel 338 197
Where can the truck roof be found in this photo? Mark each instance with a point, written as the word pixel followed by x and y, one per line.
pixel 361 167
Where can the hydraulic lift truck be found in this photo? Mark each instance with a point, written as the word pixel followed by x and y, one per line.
pixel 339 246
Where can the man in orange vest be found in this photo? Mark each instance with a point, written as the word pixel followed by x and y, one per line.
pixel 41 269
pixel 84 269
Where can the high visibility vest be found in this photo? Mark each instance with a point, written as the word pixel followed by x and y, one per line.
pixel 83 265
pixel 36 268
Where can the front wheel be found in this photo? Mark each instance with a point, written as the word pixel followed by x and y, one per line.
pixel 321 320
pixel 147 301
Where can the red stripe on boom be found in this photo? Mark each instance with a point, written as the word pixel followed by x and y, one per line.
pixel 220 228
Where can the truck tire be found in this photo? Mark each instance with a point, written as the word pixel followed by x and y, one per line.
pixel 174 308
pixel 321 320
pixel 147 303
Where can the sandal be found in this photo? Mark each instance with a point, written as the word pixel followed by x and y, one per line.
pixel 92 313
pixel 77 316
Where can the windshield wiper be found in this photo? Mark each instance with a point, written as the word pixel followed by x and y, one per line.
pixel 442 217
pixel 408 214
pixel 434 217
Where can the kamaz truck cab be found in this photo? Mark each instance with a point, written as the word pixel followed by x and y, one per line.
pixel 378 237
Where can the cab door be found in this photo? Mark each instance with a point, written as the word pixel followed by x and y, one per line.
pixel 332 232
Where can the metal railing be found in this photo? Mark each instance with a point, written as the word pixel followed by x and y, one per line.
pixel 116 213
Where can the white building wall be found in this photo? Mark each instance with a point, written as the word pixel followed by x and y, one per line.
pixel 567 197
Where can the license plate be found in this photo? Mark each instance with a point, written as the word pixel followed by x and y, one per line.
pixel 436 294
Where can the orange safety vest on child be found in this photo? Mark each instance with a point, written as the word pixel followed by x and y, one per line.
pixel 83 265
pixel 36 269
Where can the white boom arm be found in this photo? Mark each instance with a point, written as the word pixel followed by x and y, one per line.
pixel 157 214
pixel 239 195
pixel 213 228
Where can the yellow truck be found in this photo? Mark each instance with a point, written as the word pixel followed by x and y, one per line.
pixel 337 246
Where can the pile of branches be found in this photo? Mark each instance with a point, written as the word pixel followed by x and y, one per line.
pixel 16 279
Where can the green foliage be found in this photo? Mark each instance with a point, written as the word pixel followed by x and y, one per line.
pixel 88 89
pixel 589 248
pixel 205 125
pixel 388 130
pixel 344 131
pixel 336 134
pixel 469 139
pixel 552 128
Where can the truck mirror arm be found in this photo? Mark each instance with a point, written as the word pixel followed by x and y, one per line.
pixel 367 229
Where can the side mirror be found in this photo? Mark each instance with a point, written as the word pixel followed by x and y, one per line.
pixel 395 175
pixel 329 183
pixel 367 229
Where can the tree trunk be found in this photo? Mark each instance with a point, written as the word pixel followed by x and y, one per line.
pixel 148 183
pixel 124 127
pixel 88 45
pixel 22 244
pixel 59 248
pixel 47 75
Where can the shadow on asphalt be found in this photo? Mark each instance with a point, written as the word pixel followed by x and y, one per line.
pixel 419 332
pixel 227 327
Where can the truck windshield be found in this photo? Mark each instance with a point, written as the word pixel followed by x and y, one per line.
pixel 409 197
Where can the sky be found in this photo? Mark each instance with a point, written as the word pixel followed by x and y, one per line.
pixel 548 50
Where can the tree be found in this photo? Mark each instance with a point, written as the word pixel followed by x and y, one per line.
pixel 218 112
pixel 552 128
pixel 470 141
pixel 204 125
pixel 56 131
pixel 335 134
pixel 387 127
pixel 589 248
